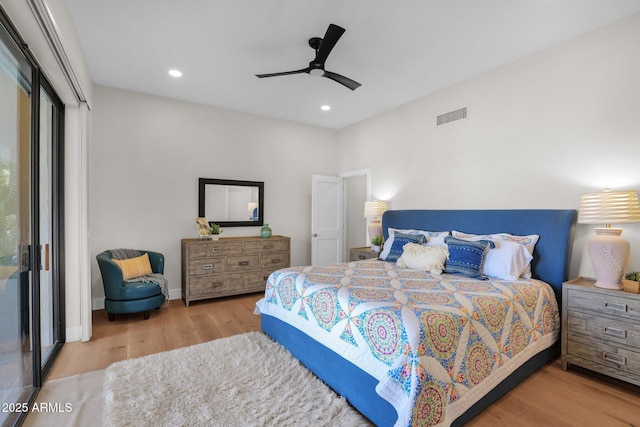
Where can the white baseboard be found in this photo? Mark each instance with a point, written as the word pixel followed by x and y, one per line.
pixel 73 334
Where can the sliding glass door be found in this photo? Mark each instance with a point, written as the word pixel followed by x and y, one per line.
pixel 16 370
pixel 31 291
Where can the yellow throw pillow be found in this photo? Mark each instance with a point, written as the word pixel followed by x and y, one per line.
pixel 134 267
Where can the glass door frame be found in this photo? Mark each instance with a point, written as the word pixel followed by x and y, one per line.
pixel 57 209
pixel 35 259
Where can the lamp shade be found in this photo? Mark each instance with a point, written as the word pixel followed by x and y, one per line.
pixel 609 207
pixel 374 208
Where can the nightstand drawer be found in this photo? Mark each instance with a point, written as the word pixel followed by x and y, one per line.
pixel 606 304
pixel 604 329
pixel 360 254
pixel 611 356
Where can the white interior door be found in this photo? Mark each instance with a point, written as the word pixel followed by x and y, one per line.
pixel 327 219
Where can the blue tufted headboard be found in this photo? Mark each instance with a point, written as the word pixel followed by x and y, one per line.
pixel 552 253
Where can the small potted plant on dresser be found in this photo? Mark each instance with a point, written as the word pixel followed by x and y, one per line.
pixel 376 243
pixel 215 230
pixel 631 282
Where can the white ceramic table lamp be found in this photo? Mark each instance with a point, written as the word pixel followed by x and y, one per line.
pixel 609 251
pixel 374 210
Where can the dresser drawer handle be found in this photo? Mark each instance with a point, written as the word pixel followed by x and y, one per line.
pixel 216 249
pixel 616 306
pixel 620 360
pixel 267 247
pixel 620 333
pixel 362 257
pixel 207 266
pixel 275 261
pixel 243 263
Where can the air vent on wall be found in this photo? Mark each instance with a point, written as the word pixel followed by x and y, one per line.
pixel 452 116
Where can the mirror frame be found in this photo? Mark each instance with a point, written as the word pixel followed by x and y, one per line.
pixel 203 182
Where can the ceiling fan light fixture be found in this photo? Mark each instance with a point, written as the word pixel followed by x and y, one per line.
pixel 318 72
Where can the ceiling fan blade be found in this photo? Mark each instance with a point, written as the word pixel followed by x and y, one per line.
pixel 284 73
pixel 351 84
pixel 333 34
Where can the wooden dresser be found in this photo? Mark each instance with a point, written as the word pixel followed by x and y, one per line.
pixel 601 329
pixel 230 266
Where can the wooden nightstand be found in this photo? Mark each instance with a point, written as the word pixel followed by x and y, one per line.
pixel 358 254
pixel 601 329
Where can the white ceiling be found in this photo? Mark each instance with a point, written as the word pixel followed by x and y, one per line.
pixel 397 50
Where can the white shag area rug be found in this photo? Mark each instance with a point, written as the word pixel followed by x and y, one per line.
pixel 243 380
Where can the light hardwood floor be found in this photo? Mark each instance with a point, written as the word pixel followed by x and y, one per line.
pixel 550 397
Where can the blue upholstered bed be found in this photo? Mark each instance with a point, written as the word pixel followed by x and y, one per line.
pixel 550 264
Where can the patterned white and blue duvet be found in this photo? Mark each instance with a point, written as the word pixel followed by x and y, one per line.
pixel 436 344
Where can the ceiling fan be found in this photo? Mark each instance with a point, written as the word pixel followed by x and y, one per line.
pixel 323 48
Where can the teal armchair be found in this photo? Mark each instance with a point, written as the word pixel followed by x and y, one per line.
pixel 132 296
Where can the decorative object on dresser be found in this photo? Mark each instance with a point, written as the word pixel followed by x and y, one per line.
pixel 216 230
pixel 359 254
pixel 601 330
pixel 203 228
pixel 374 210
pixel 609 251
pixel 230 266
pixel 265 231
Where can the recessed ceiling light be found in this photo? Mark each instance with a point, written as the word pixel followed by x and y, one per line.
pixel 175 73
pixel 325 107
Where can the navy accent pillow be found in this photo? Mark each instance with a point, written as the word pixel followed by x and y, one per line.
pixel 399 240
pixel 466 258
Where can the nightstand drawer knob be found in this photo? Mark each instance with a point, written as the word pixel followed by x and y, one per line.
pixel 620 333
pixel 616 306
pixel 620 360
pixel 207 266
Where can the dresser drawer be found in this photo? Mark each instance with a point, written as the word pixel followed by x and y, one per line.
pixel 274 261
pixel 201 267
pixel 242 263
pixel 604 329
pixel 209 249
pixel 622 360
pixel 612 305
pixel 266 245
pixel 256 279
pixel 215 284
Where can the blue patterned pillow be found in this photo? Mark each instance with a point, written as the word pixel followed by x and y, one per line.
pixel 466 258
pixel 399 240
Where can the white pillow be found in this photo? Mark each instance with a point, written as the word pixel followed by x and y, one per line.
pixel 437 237
pixel 507 261
pixel 423 258
pixel 510 262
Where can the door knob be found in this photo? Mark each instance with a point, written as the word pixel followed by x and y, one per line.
pixel 315 234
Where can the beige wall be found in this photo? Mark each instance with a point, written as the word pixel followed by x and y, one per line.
pixel 148 152
pixel 539 133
